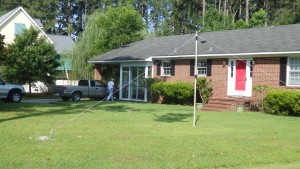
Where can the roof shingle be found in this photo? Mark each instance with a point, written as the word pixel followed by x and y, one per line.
pixel 281 39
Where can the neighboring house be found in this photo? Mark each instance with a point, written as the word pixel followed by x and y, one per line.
pixel 15 21
pixel 235 60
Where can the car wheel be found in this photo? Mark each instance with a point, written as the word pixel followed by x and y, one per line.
pixel 15 96
pixel 65 98
pixel 76 96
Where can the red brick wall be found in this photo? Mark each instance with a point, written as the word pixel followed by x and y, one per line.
pixel 266 72
pixel 97 74
pixel 182 72
pixel 218 78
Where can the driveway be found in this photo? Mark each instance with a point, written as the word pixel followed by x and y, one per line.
pixel 43 101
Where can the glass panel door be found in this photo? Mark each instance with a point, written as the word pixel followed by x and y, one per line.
pixel 125 82
pixel 141 83
pixel 133 83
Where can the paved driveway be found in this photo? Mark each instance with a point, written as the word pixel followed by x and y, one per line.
pixel 44 101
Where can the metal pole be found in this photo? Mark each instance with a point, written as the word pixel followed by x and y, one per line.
pixel 195 79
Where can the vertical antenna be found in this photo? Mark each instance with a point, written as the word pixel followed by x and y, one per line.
pixel 195 81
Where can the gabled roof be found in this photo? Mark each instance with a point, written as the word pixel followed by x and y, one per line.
pixel 11 13
pixel 7 15
pixel 62 43
pixel 255 41
pixel 38 22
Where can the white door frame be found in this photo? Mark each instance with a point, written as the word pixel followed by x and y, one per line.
pixel 133 64
pixel 232 79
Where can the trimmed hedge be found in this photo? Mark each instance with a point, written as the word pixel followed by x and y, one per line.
pixel 174 92
pixel 283 102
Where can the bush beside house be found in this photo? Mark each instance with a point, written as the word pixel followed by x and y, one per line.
pixel 174 92
pixel 283 102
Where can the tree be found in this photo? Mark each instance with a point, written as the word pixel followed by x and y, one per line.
pixel 258 19
pixel 30 58
pixel 106 29
pixel 2 48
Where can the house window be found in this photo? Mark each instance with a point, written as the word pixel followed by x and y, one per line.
pixel 166 68
pixel 202 67
pixel 19 28
pixel 294 71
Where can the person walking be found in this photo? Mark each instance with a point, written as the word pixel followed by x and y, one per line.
pixel 110 89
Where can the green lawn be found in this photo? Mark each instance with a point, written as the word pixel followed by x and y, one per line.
pixel 138 135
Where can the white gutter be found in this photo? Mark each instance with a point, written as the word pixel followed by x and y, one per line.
pixel 229 55
pixel 119 61
pixel 237 55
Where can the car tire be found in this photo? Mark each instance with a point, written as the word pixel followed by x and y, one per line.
pixel 64 98
pixel 15 96
pixel 76 96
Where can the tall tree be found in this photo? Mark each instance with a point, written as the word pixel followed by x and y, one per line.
pixel 106 29
pixel 30 58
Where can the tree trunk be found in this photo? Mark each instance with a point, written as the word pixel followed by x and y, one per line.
pixel 220 5
pixel 203 12
pixel 266 4
pixel 240 11
pixel 225 7
pixel 247 11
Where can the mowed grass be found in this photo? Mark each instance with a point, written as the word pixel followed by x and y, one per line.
pixel 140 135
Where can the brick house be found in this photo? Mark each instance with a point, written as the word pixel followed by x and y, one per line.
pixel 235 60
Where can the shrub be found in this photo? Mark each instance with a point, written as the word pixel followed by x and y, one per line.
pixel 204 89
pixel 260 92
pixel 174 92
pixel 149 82
pixel 283 102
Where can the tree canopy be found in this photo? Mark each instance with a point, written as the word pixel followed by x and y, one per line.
pixel 162 17
pixel 30 58
pixel 106 29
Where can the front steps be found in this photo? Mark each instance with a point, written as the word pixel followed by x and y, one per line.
pixel 225 104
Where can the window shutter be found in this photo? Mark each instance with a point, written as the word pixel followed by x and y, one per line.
pixel 192 67
pixel 172 67
pixel 209 62
pixel 282 73
pixel 158 63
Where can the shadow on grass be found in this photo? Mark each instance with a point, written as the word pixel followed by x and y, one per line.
pixel 25 110
pixel 172 117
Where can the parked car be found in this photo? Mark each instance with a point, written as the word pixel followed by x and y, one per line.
pixel 84 89
pixel 11 92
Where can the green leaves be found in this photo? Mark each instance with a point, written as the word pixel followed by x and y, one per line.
pixel 106 29
pixel 30 58
pixel 283 102
pixel 174 92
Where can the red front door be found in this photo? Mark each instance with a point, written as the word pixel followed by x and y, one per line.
pixel 240 79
